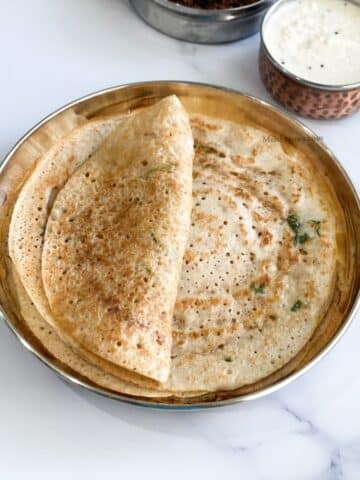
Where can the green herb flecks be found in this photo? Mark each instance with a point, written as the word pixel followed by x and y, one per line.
pixel 316 224
pixel 164 167
pixel 228 359
pixel 297 305
pixel 147 269
pixel 259 288
pixel 294 223
pixel 299 239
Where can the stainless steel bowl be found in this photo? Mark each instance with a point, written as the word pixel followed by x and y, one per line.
pixel 199 25
pixel 223 104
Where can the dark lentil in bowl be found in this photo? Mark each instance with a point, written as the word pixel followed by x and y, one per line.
pixel 213 4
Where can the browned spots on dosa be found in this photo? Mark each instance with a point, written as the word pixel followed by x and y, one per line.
pixel 264 264
pixel 189 256
pixel 202 218
pixel 160 338
pixel 241 176
pixel 252 322
pixel 266 238
pixel 240 192
pixel 207 150
pixel 324 242
pixel 287 255
pixel 295 197
pixel 257 217
pixel 273 203
pixel 310 290
pixel 239 160
pixel 248 190
pixel 230 328
pixel 203 126
pixel 241 293
pixel 200 303
pixel 263 279
pixel 243 229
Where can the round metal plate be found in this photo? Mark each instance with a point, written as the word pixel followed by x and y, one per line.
pixel 221 103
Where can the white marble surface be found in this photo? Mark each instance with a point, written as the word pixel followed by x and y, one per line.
pixel 52 51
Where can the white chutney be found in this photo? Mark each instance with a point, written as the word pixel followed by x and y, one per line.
pixel 317 40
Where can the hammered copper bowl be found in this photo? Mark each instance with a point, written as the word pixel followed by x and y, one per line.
pixel 303 97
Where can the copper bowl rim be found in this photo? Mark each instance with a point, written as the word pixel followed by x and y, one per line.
pixel 287 73
pixel 72 379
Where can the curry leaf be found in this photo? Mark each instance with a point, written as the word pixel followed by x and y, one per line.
pixel 164 167
pixel 297 305
pixel 259 288
pixel 294 222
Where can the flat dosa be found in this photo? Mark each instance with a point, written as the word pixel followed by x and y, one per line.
pixel 252 291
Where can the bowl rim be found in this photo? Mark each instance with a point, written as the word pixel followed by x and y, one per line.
pixel 302 81
pixel 211 12
pixel 163 404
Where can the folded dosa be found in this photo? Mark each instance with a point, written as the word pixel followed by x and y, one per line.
pixel 115 238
